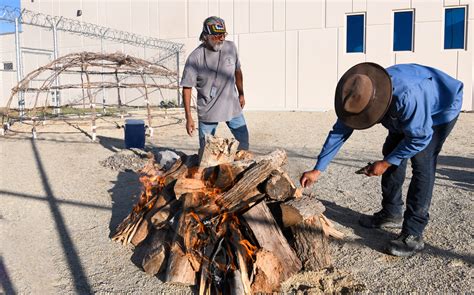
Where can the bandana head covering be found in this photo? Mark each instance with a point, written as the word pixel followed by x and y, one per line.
pixel 213 25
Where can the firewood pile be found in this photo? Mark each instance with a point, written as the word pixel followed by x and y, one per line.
pixel 226 221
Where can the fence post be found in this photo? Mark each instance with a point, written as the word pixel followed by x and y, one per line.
pixel 19 67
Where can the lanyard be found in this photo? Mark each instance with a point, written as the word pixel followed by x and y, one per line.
pixel 218 62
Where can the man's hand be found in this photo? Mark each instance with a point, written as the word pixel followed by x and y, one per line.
pixel 242 100
pixel 190 126
pixel 309 177
pixel 377 168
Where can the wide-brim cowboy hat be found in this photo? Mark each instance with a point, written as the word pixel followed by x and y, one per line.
pixel 363 95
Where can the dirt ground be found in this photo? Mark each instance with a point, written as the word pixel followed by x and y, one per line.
pixel 58 206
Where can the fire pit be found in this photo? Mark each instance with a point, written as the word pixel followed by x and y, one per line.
pixel 227 221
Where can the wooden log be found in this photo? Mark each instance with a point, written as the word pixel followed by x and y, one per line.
pixel 236 284
pixel 250 180
pixel 217 151
pixel 268 272
pixel 188 185
pixel 180 269
pixel 310 242
pixel 156 216
pixel 154 260
pixel 270 238
pixel 278 187
pixel 244 155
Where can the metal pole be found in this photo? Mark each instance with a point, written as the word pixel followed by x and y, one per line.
pixel 178 100
pixel 19 67
pixel 57 102
pixel 102 75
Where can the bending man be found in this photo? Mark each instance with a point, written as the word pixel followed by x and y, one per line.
pixel 419 106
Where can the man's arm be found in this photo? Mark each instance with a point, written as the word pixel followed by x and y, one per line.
pixel 239 83
pixel 187 110
pixel 334 141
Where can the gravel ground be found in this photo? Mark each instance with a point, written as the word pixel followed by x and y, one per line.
pixel 60 200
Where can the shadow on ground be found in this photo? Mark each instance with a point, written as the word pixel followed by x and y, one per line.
pixel 377 239
pixel 456 170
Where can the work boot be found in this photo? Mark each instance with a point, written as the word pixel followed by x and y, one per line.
pixel 381 219
pixel 405 245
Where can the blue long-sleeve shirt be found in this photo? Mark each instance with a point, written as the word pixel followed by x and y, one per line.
pixel 422 97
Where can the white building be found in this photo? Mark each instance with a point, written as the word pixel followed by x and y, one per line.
pixel 292 52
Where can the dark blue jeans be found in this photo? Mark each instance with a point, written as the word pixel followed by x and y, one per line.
pixel 237 126
pixel 421 186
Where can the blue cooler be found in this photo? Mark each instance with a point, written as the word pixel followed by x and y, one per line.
pixel 134 133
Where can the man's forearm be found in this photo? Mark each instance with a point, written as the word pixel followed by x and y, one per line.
pixel 239 82
pixel 187 102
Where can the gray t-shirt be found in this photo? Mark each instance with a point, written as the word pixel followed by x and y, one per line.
pixel 206 69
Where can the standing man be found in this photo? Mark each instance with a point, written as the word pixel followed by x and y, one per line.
pixel 214 69
pixel 419 106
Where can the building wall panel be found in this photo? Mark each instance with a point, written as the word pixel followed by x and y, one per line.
pixel 153 17
pixel 197 13
pixel 241 13
pixel 226 11
pixel 139 11
pixel 263 70
pixel 466 71
pixel 346 60
pixel 427 11
pixel 451 2
pixel 118 15
pixel 380 12
pixel 379 45
pixel 279 15
pixel 291 70
pixel 359 5
pixel 317 62
pixel 304 15
pixel 429 49
pixel 261 16
pixel 171 13
pixel 213 7
pixel 336 13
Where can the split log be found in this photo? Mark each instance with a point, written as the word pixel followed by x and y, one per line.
pixel 154 260
pixel 182 262
pixel 269 237
pixel 250 180
pixel 180 268
pixel 279 186
pixel 217 151
pixel 244 155
pixel 156 216
pixel 188 185
pixel 268 272
pixel 310 242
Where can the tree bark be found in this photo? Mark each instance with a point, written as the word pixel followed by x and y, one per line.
pixel 270 238
pixel 310 242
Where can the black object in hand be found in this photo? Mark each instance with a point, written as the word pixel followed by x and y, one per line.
pixel 364 169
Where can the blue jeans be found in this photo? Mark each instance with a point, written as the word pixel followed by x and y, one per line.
pixel 237 126
pixel 420 190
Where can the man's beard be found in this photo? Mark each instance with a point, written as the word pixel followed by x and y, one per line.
pixel 215 45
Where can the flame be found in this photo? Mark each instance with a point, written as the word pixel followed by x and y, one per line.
pixel 202 227
pixel 248 247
